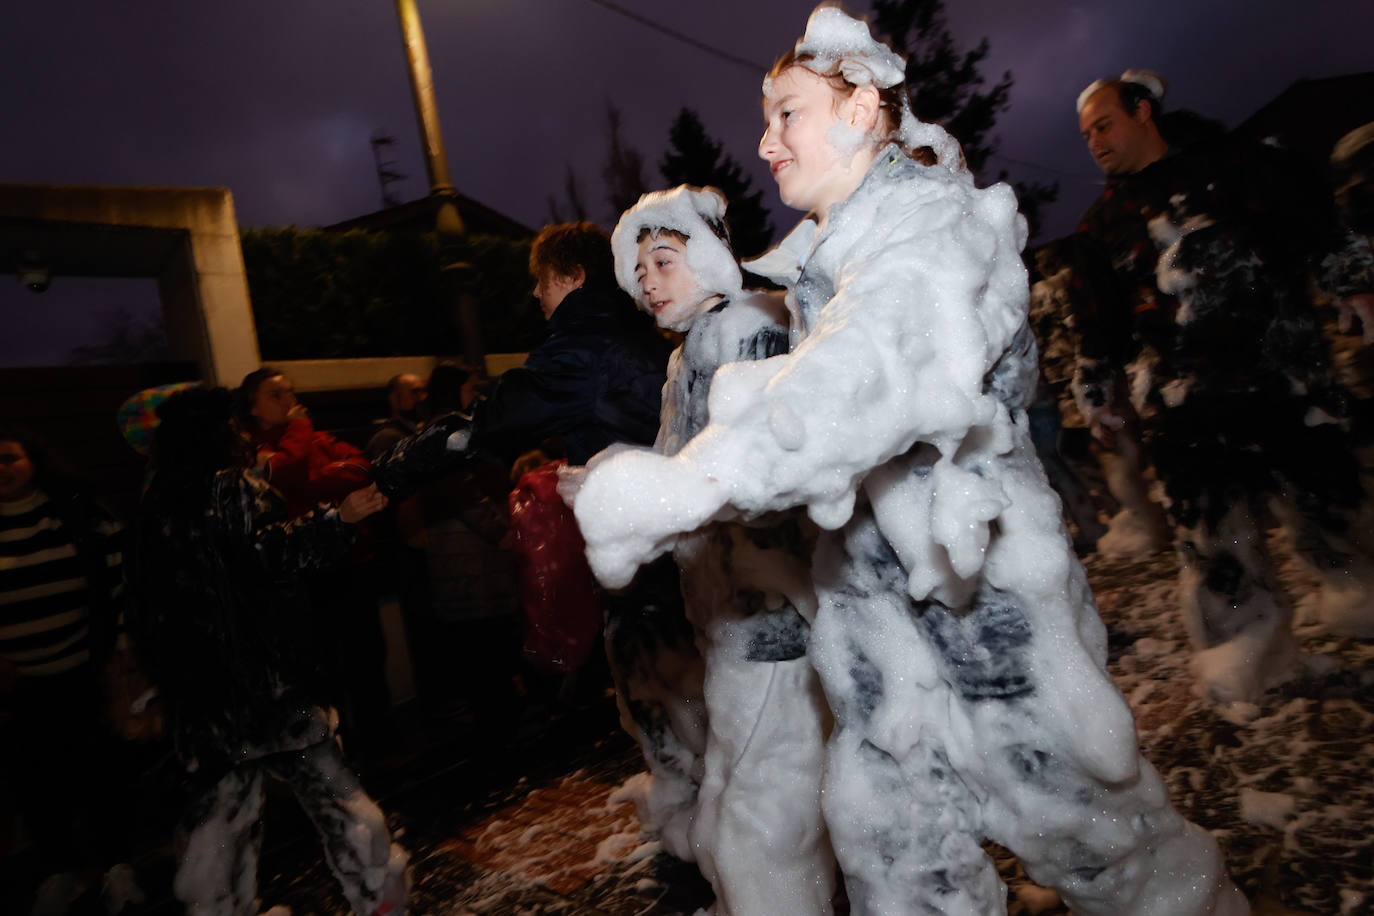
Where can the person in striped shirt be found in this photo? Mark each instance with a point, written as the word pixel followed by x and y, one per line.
pixel 46 568
pixel 60 581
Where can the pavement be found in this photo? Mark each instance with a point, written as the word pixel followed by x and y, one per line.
pixel 537 824
pixel 539 827
pixel 540 822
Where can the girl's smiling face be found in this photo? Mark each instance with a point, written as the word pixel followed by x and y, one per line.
pixel 804 116
pixel 668 291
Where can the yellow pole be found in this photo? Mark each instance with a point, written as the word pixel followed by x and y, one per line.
pixel 448 223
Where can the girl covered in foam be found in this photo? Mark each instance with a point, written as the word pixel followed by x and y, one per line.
pixel 755 829
pixel 957 641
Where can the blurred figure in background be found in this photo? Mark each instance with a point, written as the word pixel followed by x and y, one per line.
pixel 405 398
pixel 1352 171
pixel 225 629
pixel 306 465
pixel 309 466
pixel 1214 244
pixel 467 640
pixel 60 597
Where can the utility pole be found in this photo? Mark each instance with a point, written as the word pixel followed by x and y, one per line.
pixel 448 224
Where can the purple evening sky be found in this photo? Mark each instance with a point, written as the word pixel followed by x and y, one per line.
pixel 276 99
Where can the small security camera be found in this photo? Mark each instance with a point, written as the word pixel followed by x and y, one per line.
pixel 33 273
pixel 37 279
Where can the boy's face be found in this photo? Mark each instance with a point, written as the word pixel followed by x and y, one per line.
pixel 667 289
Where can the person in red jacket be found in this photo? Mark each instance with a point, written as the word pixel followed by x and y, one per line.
pixel 308 466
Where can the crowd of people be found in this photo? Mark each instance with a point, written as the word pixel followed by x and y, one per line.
pixel 245 596
pixel 842 607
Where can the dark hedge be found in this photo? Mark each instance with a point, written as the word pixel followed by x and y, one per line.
pixel 338 295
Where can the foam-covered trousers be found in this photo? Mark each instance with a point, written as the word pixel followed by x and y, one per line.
pixel 993 719
pixel 658 675
pixel 758 835
pixel 220 836
pixel 1228 458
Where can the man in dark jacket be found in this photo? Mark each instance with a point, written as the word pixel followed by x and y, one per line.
pixel 1210 244
pixel 597 378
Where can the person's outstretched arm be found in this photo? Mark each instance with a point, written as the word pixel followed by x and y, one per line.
pixel 922 313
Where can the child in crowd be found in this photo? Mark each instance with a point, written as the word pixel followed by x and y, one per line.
pixel 956 638
pixel 224 628
pixel 746 590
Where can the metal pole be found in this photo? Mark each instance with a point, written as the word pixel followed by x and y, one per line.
pixel 422 83
pixel 448 223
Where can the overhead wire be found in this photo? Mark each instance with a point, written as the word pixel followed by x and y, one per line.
pixel 756 67
pixel 645 21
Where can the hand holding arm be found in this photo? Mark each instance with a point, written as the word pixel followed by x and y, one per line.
pixel 361 503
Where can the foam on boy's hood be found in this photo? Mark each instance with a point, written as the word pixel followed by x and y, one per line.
pixel 683 209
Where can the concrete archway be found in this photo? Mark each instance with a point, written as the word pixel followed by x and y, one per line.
pixel 186 238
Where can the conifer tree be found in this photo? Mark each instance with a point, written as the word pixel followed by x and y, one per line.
pixel 694 158
pixel 948 88
pixel 624 168
pixel 572 192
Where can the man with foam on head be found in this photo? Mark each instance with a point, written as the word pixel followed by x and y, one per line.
pixel 955 636
pixel 1213 243
pixel 746 589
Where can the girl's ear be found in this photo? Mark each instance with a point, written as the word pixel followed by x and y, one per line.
pixel 865 107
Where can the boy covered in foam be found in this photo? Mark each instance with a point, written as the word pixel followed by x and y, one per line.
pixel 746 589
pixel 957 641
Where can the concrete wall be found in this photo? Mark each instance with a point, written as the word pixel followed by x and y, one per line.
pixel 202 284
pixel 374 372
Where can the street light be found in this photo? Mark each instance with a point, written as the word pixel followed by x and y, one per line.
pixel 448 223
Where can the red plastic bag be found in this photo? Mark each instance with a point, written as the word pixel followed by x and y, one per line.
pixel 558 596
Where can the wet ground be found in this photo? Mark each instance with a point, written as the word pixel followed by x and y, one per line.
pixel 536 827
pixel 544 827
pixel 540 829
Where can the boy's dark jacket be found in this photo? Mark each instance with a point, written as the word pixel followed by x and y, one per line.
pixel 596 379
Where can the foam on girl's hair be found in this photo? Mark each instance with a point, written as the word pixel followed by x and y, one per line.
pixel 836 42
pixel 1149 80
pixel 696 213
